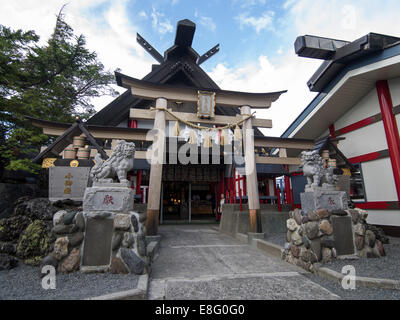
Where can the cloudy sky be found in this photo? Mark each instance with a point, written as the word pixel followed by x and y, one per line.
pixel 256 37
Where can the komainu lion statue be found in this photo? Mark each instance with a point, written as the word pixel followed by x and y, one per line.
pixel 316 173
pixel 119 163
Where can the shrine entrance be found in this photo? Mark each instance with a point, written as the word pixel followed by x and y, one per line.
pixel 186 201
pixel 189 193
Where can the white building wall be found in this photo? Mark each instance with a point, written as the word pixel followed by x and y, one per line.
pixel 367 139
pixel 384 217
pixel 377 174
pixel 366 107
pixel 378 180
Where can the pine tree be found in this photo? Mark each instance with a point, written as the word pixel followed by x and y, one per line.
pixel 55 81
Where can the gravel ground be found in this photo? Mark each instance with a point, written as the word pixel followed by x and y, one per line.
pixel 277 238
pixel 24 283
pixel 360 293
pixel 385 267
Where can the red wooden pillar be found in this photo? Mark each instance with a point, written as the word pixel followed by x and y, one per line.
pixel 287 190
pixel 132 123
pixel 138 181
pixel 240 197
pixel 234 186
pixel 391 130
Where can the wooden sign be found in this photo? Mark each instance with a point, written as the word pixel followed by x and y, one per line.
pixel 205 104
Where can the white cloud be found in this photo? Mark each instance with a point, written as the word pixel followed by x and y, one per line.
pixel 159 23
pixel 347 21
pixel 291 74
pixel 258 23
pixel 208 23
pixel 249 3
pixel 328 18
pixel 143 14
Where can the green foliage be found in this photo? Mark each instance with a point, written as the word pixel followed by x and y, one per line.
pixel 33 244
pixel 54 81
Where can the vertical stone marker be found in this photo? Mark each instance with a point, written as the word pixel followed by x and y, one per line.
pixel 343 235
pixel 97 245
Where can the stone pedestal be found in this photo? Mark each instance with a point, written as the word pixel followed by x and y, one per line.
pixel 323 199
pixel 108 198
pixel 335 202
pixel 114 236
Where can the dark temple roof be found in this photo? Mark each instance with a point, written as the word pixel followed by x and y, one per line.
pixel 337 54
pixel 179 66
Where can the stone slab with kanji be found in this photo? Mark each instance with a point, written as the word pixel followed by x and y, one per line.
pixel 324 199
pixel 68 182
pixel 112 199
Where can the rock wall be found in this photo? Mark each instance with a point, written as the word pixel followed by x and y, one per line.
pixel 310 236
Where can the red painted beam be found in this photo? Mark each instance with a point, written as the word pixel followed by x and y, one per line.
pixel 356 125
pixel 365 157
pixel 372 205
pixel 391 130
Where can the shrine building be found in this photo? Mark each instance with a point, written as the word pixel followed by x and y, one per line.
pixel 358 106
pixel 177 106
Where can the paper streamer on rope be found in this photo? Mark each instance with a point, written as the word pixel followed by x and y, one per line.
pixel 177 129
pixel 193 137
pixel 207 141
pixel 237 134
pixel 224 138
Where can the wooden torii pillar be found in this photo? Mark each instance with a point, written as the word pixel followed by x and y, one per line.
pixel 251 172
pixel 153 205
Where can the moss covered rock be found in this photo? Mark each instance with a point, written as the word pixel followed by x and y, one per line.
pixel 34 243
pixel 38 208
pixel 11 228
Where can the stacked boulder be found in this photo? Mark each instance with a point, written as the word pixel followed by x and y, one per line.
pixel 128 243
pixel 310 237
pixel 368 239
pixel 129 253
pixel 68 226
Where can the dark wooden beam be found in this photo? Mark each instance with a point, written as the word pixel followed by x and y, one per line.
pixel 149 48
pixel 184 33
pixel 208 54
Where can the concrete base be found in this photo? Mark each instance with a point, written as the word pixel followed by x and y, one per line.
pixel 253 235
pixel 234 221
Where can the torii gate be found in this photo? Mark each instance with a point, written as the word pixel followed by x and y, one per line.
pixel 161 93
